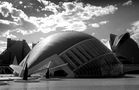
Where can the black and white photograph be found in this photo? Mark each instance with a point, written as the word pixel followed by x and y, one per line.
pixel 69 44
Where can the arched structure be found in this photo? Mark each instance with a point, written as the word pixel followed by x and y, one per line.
pixel 78 54
pixel 127 51
pixel 125 46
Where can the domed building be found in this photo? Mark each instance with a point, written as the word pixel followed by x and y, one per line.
pixel 127 50
pixel 72 54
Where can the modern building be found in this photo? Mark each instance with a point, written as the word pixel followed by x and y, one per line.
pixel 126 49
pixel 15 49
pixel 72 54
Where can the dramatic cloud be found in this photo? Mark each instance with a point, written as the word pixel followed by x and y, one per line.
pixel 129 2
pixel 73 16
pixel 134 30
pixel 68 15
pixel 19 20
pixel 7 9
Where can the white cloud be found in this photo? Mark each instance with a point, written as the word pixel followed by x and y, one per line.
pixel 68 15
pixel 97 25
pixel 24 27
pixel 20 2
pixel 88 11
pixel 2 46
pixel 2 42
pixel 134 30
pixel 76 26
pixel 100 11
pixel 49 6
pixel 129 2
pixel 7 22
pixel 44 2
pixel 7 25
pixel 8 35
pixel 7 9
pixel 72 17
pixel 20 19
pixel 25 32
pixel 103 22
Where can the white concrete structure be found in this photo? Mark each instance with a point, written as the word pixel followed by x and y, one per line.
pixel 78 54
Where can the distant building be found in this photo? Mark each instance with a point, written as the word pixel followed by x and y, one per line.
pixel 126 49
pixel 125 46
pixel 15 48
pixel 72 54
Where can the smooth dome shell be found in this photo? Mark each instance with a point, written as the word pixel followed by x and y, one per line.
pixel 54 44
pixel 85 55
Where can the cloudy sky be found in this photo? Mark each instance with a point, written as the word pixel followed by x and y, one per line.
pixel 33 20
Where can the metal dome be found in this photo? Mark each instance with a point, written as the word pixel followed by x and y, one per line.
pixel 55 44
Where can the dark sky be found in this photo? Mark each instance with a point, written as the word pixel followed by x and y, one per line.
pixel 34 20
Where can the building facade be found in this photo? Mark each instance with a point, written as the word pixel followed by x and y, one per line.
pixel 15 48
pixel 127 51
